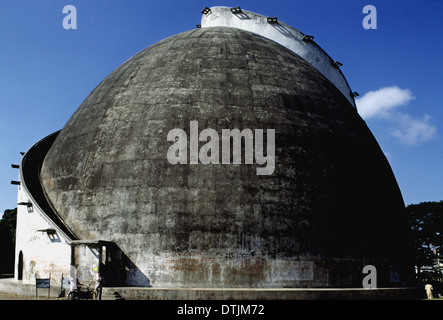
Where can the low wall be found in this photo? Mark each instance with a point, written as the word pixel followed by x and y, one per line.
pixel 12 286
pixel 130 293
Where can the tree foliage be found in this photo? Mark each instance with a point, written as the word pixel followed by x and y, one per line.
pixel 7 240
pixel 9 221
pixel 426 220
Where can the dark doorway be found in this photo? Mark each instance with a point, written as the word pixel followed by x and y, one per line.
pixel 20 266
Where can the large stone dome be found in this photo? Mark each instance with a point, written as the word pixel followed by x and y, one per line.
pixel 330 206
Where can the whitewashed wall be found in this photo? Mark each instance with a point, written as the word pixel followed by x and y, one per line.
pixel 43 253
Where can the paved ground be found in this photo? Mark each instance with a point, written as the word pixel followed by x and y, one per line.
pixel 8 296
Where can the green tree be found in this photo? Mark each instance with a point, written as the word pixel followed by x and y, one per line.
pixel 7 241
pixel 426 220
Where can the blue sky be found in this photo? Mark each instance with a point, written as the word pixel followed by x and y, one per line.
pixel 47 71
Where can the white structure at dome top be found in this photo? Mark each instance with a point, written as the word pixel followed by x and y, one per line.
pixel 284 34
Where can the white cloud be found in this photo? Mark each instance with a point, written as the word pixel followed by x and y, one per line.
pixel 383 104
pixel 412 131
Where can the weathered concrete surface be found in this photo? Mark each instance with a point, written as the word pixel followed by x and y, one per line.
pixel 331 206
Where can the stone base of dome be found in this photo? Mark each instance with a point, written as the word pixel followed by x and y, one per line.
pixel 132 293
